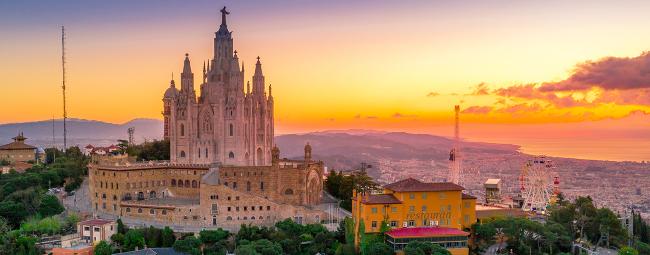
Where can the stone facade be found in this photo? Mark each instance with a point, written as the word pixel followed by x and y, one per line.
pixel 208 195
pixel 225 123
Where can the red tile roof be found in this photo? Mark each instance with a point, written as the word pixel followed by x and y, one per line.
pixel 17 146
pixel 425 232
pixel 95 222
pixel 414 185
pixel 381 199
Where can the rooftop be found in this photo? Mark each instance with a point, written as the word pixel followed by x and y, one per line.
pixel 18 144
pixel 468 196
pixel 95 222
pixel 380 199
pixel 413 185
pixel 425 232
pixel 493 181
pixel 153 251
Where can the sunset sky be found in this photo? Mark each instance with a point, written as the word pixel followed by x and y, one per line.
pixel 541 74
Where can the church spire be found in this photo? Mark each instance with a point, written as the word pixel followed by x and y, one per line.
pixel 258 67
pixel 186 65
pixel 204 72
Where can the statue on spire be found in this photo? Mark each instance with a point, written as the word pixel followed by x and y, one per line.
pixel 223 15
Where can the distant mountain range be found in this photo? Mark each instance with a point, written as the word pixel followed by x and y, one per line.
pixel 339 148
pixel 81 132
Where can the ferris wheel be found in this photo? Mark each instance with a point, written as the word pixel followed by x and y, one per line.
pixel 538 184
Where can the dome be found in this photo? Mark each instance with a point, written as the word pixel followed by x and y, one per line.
pixel 171 92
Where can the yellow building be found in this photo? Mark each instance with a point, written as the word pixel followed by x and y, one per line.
pixel 415 210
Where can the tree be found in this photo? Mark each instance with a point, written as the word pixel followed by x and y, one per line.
pixel 13 212
pixel 424 248
pixel 643 248
pixel 103 248
pixel 380 249
pixel 121 228
pixel 246 250
pixel 346 249
pixel 50 205
pixel 188 244
pixel 213 236
pixel 132 239
pixel 152 236
pixel 168 238
pixel 627 251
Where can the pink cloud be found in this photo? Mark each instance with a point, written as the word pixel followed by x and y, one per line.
pixel 478 110
pixel 608 73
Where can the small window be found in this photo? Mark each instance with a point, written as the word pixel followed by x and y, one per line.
pixel 231 155
pixel 393 209
pixel 412 196
pixel 182 154
pixel 424 195
pixel 374 224
pixel 424 208
pixel 152 211
pixel 288 192
pixel 411 208
pixel 374 210
pixel 231 127
pixel 393 223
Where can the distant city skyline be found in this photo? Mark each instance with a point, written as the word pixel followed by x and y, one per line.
pixel 547 76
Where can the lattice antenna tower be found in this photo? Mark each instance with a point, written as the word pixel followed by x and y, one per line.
pixel 454 154
pixel 65 113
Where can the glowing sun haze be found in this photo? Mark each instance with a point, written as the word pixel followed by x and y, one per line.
pixel 514 67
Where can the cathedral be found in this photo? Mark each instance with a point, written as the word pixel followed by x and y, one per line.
pixel 224 168
pixel 225 123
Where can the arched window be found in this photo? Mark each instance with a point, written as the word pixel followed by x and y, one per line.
pixel 180 183
pixel 260 157
pixel 114 197
pixel 152 194
pixel 182 130
pixel 231 130
pixel 173 182
pixel 248 186
pixel 228 218
pixel 182 154
pixel 140 196
pixel 127 196
pixel 139 210
pixel 187 183
pixel 288 192
pixel 206 152
pixel 231 155
pixel 194 184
